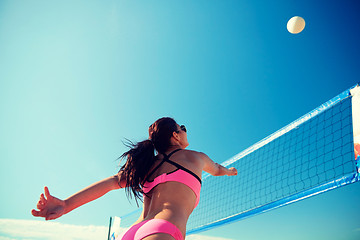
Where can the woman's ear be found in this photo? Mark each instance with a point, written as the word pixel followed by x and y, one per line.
pixel 176 136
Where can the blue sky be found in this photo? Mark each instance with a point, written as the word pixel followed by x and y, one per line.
pixel 76 78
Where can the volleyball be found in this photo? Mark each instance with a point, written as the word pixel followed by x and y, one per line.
pixel 295 25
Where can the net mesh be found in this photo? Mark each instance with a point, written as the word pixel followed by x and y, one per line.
pixel 316 152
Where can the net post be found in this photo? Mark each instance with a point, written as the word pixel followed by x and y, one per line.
pixel 109 228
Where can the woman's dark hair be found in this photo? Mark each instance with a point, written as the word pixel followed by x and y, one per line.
pixel 141 156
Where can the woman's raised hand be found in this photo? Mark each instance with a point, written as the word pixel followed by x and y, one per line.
pixel 232 171
pixel 49 206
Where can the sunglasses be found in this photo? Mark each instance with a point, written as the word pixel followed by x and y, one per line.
pixel 183 128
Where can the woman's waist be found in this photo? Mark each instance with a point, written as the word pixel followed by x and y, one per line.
pixel 169 210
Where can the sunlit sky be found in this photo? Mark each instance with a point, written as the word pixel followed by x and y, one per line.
pixel 77 77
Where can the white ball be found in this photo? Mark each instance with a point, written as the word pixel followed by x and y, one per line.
pixel 295 25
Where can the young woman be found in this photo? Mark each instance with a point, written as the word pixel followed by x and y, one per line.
pixel 170 183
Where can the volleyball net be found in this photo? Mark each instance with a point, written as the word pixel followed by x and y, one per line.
pixel 314 154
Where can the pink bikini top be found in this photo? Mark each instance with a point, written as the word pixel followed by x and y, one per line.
pixel 181 175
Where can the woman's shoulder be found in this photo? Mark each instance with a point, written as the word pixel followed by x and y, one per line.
pixel 195 154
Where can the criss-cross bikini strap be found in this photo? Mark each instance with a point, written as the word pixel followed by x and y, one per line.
pixel 166 157
pixel 183 168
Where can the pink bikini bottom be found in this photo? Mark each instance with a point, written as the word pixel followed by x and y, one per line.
pixel 150 227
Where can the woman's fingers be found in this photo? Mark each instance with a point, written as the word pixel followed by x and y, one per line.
pixel 233 170
pixel 42 202
pixel 42 199
pixel 47 193
pixel 48 206
pixel 36 213
pixel 42 206
pixel 39 205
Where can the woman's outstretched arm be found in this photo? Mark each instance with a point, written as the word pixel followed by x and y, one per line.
pixel 216 169
pixel 51 207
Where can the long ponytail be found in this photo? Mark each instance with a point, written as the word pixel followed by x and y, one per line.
pixel 139 160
